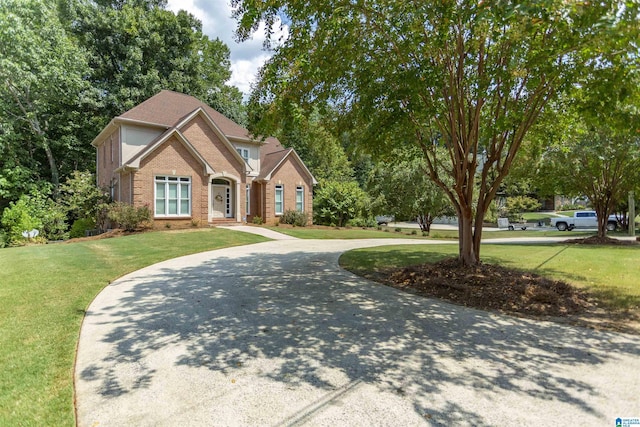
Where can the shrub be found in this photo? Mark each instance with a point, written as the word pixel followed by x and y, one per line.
pixel 299 219
pixel 257 220
pixel 363 222
pixel 19 217
pixel 129 217
pixel 519 204
pixel 336 202
pixel 414 232
pixel 571 207
pixel 81 197
pixel 80 227
pixel 34 211
pixel 398 230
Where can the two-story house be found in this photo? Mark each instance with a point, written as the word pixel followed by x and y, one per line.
pixel 190 164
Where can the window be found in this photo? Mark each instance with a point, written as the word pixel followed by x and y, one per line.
pixel 173 196
pixel 244 153
pixel 300 199
pixel 279 199
pixel 248 200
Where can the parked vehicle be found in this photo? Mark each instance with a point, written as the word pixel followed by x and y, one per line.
pixel 582 219
pixel 385 219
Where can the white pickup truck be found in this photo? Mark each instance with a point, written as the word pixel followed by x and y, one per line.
pixel 582 219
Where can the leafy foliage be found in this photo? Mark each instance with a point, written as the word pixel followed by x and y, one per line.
pixel 299 219
pixel 470 77
pixel 43 92
pixel 34 211
pixel 81 197
pixel 138 48
pixel 518 204
pixel 401 187
pixel 336 202
pixel 129 217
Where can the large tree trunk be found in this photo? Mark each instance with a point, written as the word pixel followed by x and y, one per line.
pixel 467 248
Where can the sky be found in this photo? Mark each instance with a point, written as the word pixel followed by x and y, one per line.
pixel 246 57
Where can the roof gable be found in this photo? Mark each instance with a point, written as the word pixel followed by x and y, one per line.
pixel 134 163
pixel 272 161
pixel 168 108
pixel 201 112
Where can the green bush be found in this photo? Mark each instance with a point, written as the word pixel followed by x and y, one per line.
pixel 80 227
pixel 81 197
pixel 299 219
pixel 129 217
pixel 19 217
pixel 336 202
pixel 257 220
pixel 519 204
pixel 363 222
pixel 571 207
pixel 34 211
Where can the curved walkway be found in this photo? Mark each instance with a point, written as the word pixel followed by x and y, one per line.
pixel 276 334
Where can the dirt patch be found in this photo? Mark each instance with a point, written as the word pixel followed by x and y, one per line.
pixel 496 288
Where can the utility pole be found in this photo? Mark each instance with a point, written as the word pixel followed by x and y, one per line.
pixel 632 214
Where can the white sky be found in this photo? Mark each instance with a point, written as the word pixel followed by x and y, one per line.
pixel 246 57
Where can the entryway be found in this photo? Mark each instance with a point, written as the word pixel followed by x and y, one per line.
pixel 221 198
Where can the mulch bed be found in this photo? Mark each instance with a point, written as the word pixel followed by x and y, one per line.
pixel 595 240
pixel 491 287
pixel 510 291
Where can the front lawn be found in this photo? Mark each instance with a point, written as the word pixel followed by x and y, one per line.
pixel 610 273
pixel 44 292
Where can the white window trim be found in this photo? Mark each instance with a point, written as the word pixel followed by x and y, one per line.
pixel 278 188
pixel 244 153
pixel 300 190
pixel 159 179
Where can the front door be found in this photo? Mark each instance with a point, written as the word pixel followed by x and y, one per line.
pixel 221 199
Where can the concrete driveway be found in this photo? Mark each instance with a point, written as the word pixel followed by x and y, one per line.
pixel 276 334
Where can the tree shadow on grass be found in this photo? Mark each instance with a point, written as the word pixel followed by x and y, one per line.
pixel 315 322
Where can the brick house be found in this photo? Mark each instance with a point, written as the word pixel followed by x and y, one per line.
pixel 190 164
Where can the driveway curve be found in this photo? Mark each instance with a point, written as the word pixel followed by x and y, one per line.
pixel 276 334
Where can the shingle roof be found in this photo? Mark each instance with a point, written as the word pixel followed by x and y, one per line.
pixel 168 108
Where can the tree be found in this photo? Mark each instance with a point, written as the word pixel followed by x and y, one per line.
pixel 336 202
pixel 42 93
pixel 597 163
pixel 400 186
pixel 467 76
pixel 597 150
pixel 138 48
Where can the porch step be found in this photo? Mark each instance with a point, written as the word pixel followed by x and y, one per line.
pixel 217 222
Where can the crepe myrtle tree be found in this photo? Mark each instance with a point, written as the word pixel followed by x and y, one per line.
pixel 467 76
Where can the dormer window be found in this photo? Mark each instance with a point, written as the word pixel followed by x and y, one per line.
pixel 244 153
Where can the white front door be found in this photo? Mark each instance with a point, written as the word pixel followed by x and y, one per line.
pixel 221 201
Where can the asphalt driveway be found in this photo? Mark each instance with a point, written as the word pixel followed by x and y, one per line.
pixel 276 334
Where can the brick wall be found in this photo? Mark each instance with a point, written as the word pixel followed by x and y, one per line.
pixel 290 175
pixel 172 159
pixel 108 159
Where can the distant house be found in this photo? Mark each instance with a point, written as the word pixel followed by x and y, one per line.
pixel 189 164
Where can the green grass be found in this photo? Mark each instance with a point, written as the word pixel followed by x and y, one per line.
pixel 44 292
pixel 609 272
pixel 359 233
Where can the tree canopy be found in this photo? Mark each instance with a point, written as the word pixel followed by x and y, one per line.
pixel 68 67
pixel 138 48
pixel 471 77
